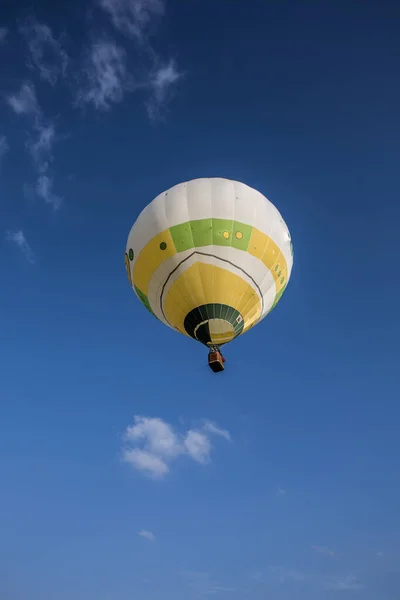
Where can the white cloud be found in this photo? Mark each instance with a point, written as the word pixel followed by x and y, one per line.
pixel 210 427
pixel 151 444
pixel 41 146
pixel 198 446
pixel 158 436
pixel 3 34
pixel 106 80
pixel 323 550
pixel 132 16
pixel 44 189
pixel 161 84
pixel 40 141
pixel 4 147
pixel 105 76
pixel 145 461
pixel 148 535
pixel 18 238
pixel 344 584
pixel 218 589
pixel 281 492
pixel 46 53
pixel 24 102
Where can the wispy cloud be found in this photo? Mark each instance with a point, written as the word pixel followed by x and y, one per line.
pixel 18 238
pixel 323 550
pixel 40 141
pixel 197 445
pixel 105 76
pixel 24 102
pixel 4 147
pixel 202 584
pixel 41 145
pixel 343 584
pixel 47 54
pixel 148 535
pixel 3 34
pixel 220 589
pixel 281 574
pixel 44 189
pixel 106 80
pixel 161 86
pixel 132 17
pixel 281 491
pixel 145 461
pixel 151 445
pixel 211 427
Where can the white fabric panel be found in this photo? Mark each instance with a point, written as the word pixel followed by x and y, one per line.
pixel 217 198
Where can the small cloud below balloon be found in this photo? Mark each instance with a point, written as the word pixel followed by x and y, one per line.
pixel 151 445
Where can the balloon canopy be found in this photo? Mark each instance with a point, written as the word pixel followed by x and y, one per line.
pixel 210 258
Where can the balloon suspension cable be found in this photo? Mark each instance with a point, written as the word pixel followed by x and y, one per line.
pixel 214 348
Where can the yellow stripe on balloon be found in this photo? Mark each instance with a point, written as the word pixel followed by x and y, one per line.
pixel 265 249
pixel 151 257
pixel 203 283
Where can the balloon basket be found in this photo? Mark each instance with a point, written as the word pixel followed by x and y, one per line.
pixel 216 362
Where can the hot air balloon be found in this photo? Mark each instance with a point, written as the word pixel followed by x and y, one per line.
pixel 210 258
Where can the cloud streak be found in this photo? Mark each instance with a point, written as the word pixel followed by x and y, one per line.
pixel 282 575
pixel 47 55
pixel 151 445
pixel 3 35
pixel 105 76
pixel 344 584
pixel 132 17
pixel 18 238
pixel 40 141
pixel 4 147
pixel 202 584
pixel 44 190
pixel 161 85
pixel 24 102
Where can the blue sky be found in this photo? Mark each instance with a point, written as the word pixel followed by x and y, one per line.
pixel 293 489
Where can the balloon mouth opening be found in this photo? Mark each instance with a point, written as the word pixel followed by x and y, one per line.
pixel 214 331
pixel 214 324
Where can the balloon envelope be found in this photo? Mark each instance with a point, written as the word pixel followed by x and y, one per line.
pixel 210 258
